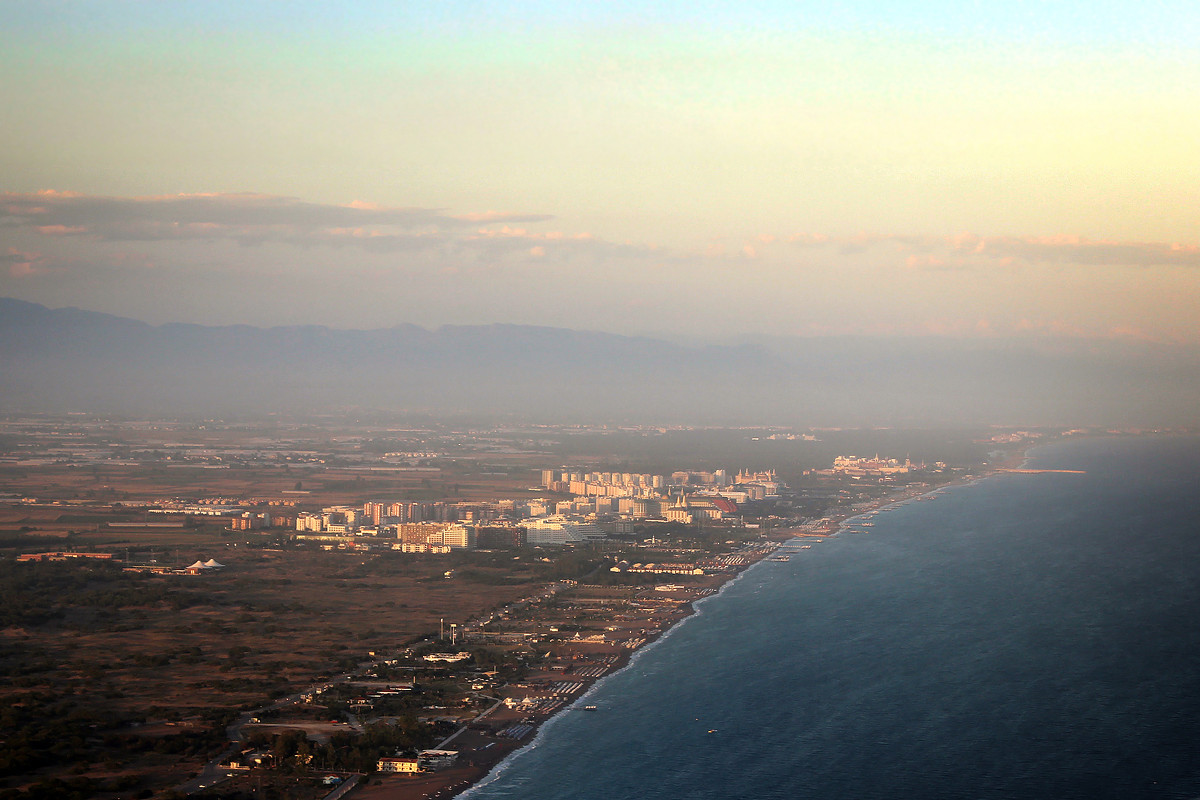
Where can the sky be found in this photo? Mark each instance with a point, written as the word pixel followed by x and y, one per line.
pixel 702 171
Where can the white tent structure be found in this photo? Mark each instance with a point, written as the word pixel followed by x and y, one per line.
pixel 212 563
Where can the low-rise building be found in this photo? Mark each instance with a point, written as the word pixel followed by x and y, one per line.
pixel 398 764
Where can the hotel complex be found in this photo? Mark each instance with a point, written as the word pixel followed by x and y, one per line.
pixel 599 502
pixel 595 504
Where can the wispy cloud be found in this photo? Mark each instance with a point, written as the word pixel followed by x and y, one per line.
pixel 1075 250
pixel 257 219
pixel 21 264
pixel 969 250
pixel 247 218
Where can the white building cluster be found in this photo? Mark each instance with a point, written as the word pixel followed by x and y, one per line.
pixel 335 522
pixel 855 466
pixel 561 529
pixel 598 497
pixel 603 484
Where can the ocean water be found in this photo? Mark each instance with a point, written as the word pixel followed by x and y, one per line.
pixel 1026 636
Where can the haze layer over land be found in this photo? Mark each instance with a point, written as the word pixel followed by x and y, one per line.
pixel 71 360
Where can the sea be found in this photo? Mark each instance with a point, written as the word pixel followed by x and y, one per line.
pixel 1023 636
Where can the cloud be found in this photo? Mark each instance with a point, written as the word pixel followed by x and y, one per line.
pixel 493 237
pixel 193 235
pixel 505 240
pixel 1075 250
pixel 246 218
pixel 59 230
pixel 257 219
pixel 964 251
pixel 21 264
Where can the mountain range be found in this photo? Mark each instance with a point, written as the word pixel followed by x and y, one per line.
pixel 67 359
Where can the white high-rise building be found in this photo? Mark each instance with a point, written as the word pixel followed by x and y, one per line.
pixel 559 530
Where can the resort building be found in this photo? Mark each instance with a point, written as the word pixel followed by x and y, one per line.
pixel 560 530
pixel 854 466
pixel 408 765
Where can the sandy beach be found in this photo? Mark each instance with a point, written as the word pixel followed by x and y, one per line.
pixel 486 742
pixel 541 695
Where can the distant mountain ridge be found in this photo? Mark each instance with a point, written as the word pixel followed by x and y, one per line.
pixel 74 360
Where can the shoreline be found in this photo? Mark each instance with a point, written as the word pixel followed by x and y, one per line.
pixel 985 500
pixel 485 763
pixel 490 757
pixel 835 523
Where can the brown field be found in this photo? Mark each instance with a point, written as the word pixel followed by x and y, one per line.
pixel 324 486
pixel 269 624
pixel 195 647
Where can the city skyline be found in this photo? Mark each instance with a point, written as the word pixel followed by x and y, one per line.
pixel 710 173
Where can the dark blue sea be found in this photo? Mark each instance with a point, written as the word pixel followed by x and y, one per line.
pixel 1026 636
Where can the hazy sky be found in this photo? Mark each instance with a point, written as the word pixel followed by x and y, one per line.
pixel 699 169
